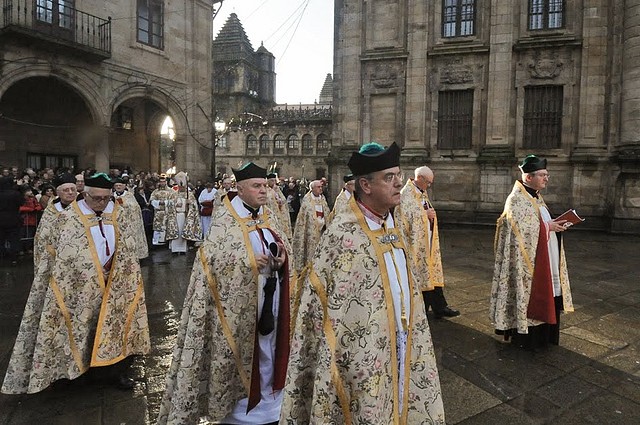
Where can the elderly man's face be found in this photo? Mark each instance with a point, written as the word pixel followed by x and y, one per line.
pixel 80 184
pixel 253 192
pixel 226 184
pixel 350 186
pixel 97 198
pixel 119 187
pixel 67 193
pixel 424 180
pixel 316 189
pixel 271 182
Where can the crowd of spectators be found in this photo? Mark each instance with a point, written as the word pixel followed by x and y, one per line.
pixel 25 193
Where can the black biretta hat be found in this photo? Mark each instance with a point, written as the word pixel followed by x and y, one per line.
pixel 100 180
pixel 373 157
pixel 249 171
pixel 348 178
pixel 532 163
pixel 64 178
pixel 272 175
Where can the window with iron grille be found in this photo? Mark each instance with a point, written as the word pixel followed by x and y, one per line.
pixel 455 119
pixel 322 144
pixel 151 23
pixel 39 161
pixel 252 143
pixel 279 144
pixel 542 126
pixel 458 18
pixel 307 144
pixel 265 143
pixel 546 14
pixel 293 143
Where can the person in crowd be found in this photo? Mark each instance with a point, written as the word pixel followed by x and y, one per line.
pixel 10 202
pixel 29 211
pixel 419 224
pixel 278 203
pixel 206 199
pixel 292 194
pixel 183 217
pixel 361 350
pixel 309 225
pixel 48 193
pixel 232 348
pixel 530 281
pixel 73 320
pixel 342 200
pixel 160 197
pixel 143 197
pixel 47 231
pixel 80 185
pixel 133 213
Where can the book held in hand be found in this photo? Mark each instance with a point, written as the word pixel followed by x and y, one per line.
pixel 571 216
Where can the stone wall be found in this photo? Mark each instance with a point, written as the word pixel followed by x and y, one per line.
pixel 392 61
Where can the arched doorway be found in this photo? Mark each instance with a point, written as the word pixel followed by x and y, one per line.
pixel 136 141
pixel 45 123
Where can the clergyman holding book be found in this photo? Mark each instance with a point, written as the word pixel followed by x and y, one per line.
pixel 530 281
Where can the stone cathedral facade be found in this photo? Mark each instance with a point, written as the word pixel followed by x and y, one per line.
pixel 470 87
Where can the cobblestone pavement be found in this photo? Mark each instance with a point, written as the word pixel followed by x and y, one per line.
pixel 593 377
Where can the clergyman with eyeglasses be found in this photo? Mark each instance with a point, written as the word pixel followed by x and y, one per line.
pixel 530 282
pixel 90 313
pixel 361 350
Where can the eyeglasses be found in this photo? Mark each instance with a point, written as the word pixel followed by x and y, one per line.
pixel 69 190
pixel 389 177
pixel 99 198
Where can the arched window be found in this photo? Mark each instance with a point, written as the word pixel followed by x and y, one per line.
pixel 307 144
pixel 252 144
pixel 322 143
pixel 264 144
pixel 279 144
pixel 293 143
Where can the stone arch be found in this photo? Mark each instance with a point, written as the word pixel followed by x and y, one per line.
pixel 83 86
pixel 139 144
pixel 158 96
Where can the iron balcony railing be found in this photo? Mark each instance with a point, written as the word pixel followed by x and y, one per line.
pixel 57 21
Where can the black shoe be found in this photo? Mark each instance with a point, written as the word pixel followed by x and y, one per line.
pixel 447 312
pixel 124 383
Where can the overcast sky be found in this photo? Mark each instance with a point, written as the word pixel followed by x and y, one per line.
pixel 299 33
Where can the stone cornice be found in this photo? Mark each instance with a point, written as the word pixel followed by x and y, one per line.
pixel 547 41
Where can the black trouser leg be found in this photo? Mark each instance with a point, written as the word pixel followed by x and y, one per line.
pixel 435 298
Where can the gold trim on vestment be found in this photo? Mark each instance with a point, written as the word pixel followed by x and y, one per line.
pixel 435 236
pixel 67 321
pixel 226 330
pixel 110 218
pixel 373 236
pixel 92 246
pixel 343 396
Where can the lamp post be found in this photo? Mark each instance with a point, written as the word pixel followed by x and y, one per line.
pixel 219 126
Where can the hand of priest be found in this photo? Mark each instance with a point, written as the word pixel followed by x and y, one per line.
pixel 262 261
pixel 431 214
pixel 280 259
pixel 558 226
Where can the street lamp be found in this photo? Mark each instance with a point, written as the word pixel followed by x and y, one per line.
pixel 220 126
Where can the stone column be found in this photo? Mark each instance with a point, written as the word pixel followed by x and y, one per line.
pixel 416 90
pixel 500 77
pixel 630 123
